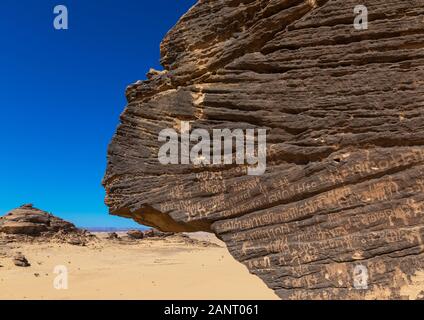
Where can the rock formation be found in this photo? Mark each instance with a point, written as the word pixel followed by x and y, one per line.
pixel 29 223
pixel 339 212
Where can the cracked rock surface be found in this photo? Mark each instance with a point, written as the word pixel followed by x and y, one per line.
pixel 342 198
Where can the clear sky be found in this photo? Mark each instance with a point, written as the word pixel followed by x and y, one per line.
pixel 61 93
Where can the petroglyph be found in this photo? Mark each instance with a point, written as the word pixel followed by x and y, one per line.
pixel 339 211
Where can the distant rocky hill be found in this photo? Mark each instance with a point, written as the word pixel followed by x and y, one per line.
pixel 29 223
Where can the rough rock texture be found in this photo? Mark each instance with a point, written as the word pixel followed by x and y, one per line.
pixel 344 110
pixel 29 223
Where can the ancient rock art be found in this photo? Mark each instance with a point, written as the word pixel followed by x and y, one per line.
pixel 339 211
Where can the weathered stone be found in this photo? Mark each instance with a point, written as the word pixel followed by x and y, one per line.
pixel 342 198
pixel 154 233
pixel 20 260
pixel 135 234
pixel 112 236
pixel 76 242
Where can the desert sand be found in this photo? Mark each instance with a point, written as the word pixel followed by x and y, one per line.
pixel 147 269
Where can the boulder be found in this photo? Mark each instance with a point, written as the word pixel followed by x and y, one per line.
pixel 20 260
pixel 112 236
pixel 154 233
pixel 339 211
pixel 135 234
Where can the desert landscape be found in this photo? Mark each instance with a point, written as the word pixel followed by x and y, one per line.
pixel 123 265
pixel 275 149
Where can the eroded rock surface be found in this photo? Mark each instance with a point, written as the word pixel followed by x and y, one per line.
pixel 342 198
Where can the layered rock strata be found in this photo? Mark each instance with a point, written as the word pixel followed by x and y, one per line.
pixel 339 211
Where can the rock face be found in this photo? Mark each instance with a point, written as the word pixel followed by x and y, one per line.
pixel 339 212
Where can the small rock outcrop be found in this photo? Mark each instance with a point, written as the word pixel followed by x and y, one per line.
pixel 30 223
pixel 112 236
pixel 135 234
pixel 27 220
pixel 146 234
pixel 154 233
pixel 339 211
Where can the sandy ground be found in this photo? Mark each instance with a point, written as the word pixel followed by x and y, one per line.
pixel 148 269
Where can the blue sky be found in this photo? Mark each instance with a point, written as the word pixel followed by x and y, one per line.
pixel 61 93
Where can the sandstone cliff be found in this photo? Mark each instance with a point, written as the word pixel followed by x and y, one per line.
pixel 343 193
